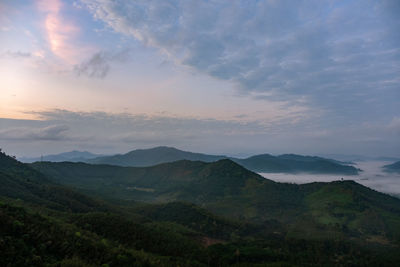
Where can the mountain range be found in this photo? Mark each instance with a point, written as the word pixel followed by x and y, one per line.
pixel 394 167
pixel 288 163
pixel 227 189
pixel 188 213
pixel 358 158
pixel 72 156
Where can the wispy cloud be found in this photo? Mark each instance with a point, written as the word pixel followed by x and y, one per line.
pixel 49 133
pixel 99 64
pixel 61 32
pixel 317 49
pixel 16 54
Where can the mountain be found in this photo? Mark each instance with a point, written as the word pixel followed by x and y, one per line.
pixel 168 181
pixel 339 209
pixel 318 224
pixel 47 224
pixel 289 163
pixel 153 156
pixel 356 158
pixel 394 167
pixel 72 156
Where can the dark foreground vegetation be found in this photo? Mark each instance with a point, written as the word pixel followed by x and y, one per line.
pixel 188 214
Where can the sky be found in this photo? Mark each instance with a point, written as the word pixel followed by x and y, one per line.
pixel 235 77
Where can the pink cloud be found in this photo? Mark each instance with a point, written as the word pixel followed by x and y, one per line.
pixel 52 6
pixel 61 32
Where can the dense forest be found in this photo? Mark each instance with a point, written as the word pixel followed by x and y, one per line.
pixel 188 214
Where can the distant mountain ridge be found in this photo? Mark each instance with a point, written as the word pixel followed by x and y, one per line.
pixel 72 156
pixel 288 163
pixel 356 158
pixel 153 156
pixel 394 167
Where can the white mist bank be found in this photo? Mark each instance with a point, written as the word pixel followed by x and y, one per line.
pixel 372 176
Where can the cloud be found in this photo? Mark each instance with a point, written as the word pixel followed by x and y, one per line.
pixel 103 132
pixel 372 176
pixel 125 125
pixel 317 49
pixel 99 65
pixel 111 133
pixel 394 125
pixel 16 54
pixel 49 133
pixel 61 32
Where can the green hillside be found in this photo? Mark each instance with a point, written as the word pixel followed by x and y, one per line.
pixel 20 181
pixel 339 223
pixel 342 208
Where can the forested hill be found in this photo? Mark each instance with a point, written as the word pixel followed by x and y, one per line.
pixel 20 181
pixel 180 180
pixel 288 163
pixel 230 190
pixel 265 223
pixel 42 224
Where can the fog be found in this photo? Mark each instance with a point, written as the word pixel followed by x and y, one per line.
pixel 372 176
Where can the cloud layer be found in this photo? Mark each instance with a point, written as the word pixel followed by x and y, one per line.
pixel 48 133
pixel 320 49
pixel 100 132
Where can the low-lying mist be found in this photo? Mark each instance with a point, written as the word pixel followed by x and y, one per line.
pixel 371 176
